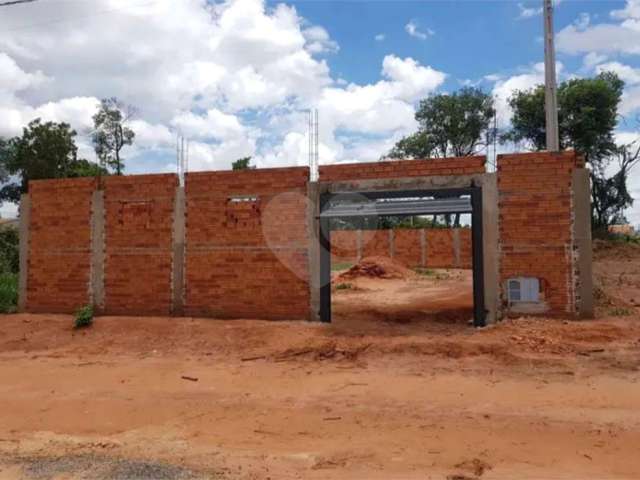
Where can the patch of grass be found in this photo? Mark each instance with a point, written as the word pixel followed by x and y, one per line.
pixel 344 286
pixel 341 266
pixel 620 312
pixel 8 292
pixel 84 317
pixel 427 272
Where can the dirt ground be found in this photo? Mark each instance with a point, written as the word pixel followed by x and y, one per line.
pixel 398 387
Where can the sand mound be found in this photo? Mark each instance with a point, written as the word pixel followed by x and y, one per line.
pixel 378 267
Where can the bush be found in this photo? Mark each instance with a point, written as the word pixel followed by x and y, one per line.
pixel 344 286
pixel 9 250
pixel 8 292
pixel 84 317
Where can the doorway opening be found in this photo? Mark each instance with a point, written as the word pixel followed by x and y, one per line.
pixel 340 212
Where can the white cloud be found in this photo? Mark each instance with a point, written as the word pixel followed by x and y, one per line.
pixel 412 29
pixel 505 87
pixel 585 37
pixel 380 37
pixel 592 59
pixel 528 12
pixel 235 77
pixel 319 41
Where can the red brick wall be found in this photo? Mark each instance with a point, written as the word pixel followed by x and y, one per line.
pixel 375 243
pixel 440 253
pixel 407 246
pixel 58 279
pixel 466 248
pixel 138 236
pixel 535 217
pixel 247 259
pixel 402 168
pixel 344 246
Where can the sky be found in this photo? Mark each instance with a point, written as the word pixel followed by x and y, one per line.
pixel 237 77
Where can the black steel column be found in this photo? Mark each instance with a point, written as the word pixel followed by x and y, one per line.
pixel 479 313
pixel 325 263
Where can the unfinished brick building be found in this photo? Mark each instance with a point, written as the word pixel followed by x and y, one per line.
pixel 251 244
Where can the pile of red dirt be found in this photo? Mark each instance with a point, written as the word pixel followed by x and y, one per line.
pixel 378 267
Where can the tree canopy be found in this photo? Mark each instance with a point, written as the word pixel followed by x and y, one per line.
pixel 112 133
pixel 587 119
pixel 242 164
pixel 45 150
pixel 449 125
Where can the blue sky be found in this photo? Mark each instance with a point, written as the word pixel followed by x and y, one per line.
pixel 236 77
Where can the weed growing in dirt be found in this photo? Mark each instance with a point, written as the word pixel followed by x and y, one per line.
pixel 620 312
pixel 84 317
pixel 341 266
pixel 8 292
pixel 427 272
pixel 344 286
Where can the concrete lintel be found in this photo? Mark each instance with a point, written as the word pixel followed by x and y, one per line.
pixel 177 254
pixel 582 241
pixel 23 232
pixel 96 287
pixel 405 183
pixel 313 229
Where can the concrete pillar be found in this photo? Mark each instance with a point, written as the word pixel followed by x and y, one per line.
pixel 582 243
pixel 23 275
pixel 96 287
pixel 423 247
pixel 490 237
pixel 359 246
pixel 313 228
pixel 456 247
pixel 392 246
pixel 178 253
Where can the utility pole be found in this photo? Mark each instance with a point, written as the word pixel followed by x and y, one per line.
pixel 551 94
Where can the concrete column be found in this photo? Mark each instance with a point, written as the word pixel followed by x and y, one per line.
pixel 392 246
pixel 23 232
pixel 490 237
pixel 313 228
pixel 178 253
pixel 96 287
pixel 456 247
pixel 423 247
pixel 359 246
pixel 582 242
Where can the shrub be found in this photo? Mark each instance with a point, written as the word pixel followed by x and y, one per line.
pixel 84 317
pixel 9 250
pixel 344 286
pixel 8 292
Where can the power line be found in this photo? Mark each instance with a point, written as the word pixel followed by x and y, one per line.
pixel 15 2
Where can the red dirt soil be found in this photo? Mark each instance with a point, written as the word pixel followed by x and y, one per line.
pixel 378 267
pixel 368 397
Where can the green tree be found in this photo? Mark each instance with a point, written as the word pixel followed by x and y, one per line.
pixel 45 150
pixel 112 133
pixel 587 118
pixel 242 164
pixel 449 125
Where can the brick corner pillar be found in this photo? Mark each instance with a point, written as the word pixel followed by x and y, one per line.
pixel 178 253
pixel 97 250
pixel 541 196
pixel 23 232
